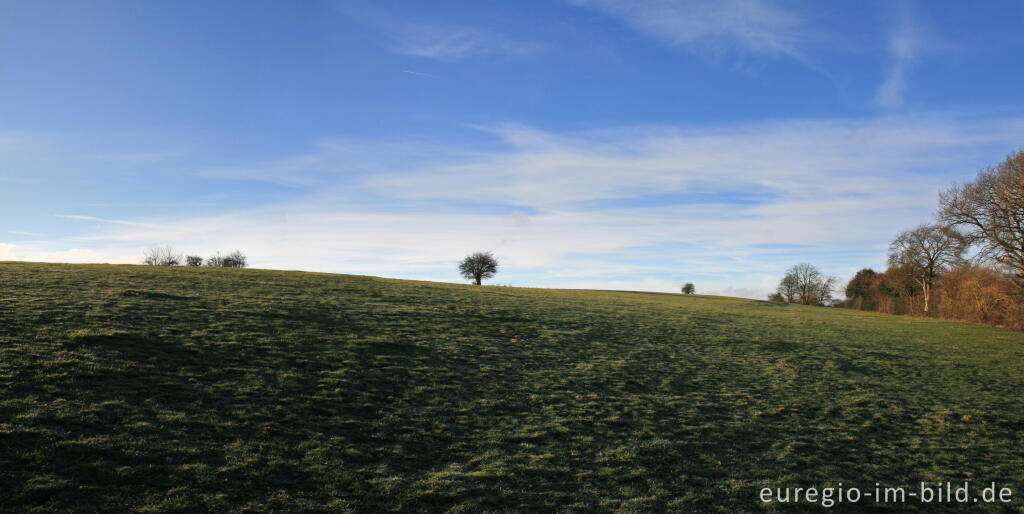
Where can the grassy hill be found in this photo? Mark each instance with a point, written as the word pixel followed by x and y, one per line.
pixel 153 389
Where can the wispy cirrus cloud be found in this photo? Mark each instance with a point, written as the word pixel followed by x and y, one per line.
pixel 439 41
pixel 759 27
pixel 81 217
pixel 907 43
pixel 454 43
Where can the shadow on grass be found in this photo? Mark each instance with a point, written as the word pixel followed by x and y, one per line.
pixel 155 295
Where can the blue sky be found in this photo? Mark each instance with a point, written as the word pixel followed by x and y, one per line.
pixel 589 143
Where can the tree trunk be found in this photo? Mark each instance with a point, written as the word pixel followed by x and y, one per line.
pixel 927 290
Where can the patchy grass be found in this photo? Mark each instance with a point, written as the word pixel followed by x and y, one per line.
pixel 154 389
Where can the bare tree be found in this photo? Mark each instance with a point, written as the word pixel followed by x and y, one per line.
pixel 927 251
pixel 478 266
pixel 161 256
pixel 804 283
pixel 992 209
pixel 688 288
pixel 787 289
pixel 235 259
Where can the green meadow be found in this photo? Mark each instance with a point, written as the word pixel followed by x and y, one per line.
pixel 155 389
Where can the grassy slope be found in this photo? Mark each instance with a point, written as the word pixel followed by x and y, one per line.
pixel 153 388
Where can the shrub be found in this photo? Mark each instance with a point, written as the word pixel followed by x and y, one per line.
pixel 161 256
pixel 234 259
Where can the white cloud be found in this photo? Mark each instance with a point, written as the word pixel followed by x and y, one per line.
pixel 37 253
pixel 749 26
pixel 812 161
pixel 518 217
pixel 7 252
pixel 333 159
pixel 903 48
pixel 443 42
pixel 759 293
pixel 830 192
pixel 452 43
pixel 907 43
pixel 83 255
pixel 417 73
pixel 105 220
pixel 654 285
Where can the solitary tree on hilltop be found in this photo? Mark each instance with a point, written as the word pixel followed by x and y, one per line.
pixel 478 266
pixel 688 288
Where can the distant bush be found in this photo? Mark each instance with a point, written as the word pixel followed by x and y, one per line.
pixel 161 256
pixel 193 260
pixel 688 288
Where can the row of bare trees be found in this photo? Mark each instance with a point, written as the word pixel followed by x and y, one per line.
pixel 168 256
pixel 968 264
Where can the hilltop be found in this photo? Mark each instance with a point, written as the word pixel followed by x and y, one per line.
pixel 152 388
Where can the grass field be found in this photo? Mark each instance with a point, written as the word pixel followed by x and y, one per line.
pixel 160 389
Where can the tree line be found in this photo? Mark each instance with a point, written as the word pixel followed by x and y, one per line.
pixel 168 256
pixel 968 264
